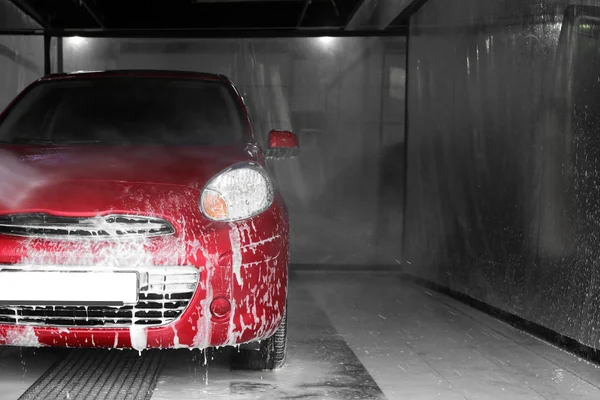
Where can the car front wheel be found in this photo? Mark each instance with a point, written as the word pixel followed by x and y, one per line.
pixel 269 355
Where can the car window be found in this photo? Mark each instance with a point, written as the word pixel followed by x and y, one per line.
pixel 126 111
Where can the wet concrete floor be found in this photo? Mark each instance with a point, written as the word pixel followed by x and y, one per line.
pixel 353 335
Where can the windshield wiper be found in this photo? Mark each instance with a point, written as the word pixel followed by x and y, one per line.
pixel 30 141
pixel 78 142
pixel 48 141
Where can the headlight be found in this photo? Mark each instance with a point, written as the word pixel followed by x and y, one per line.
pixel 239 192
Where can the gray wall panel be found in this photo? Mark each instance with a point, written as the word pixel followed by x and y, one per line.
pixel 503 168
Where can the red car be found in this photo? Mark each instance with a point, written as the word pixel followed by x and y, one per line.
pixel 136 211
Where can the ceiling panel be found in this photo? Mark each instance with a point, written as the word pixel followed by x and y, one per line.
pixel 203 15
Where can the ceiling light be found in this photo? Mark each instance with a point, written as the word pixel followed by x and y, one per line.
pixel 76 41
pixel 326 40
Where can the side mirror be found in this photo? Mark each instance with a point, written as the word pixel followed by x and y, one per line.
pixel 282 144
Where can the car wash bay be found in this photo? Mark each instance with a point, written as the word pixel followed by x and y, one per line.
pixel 444 207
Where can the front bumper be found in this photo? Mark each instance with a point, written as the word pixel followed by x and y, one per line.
pixel 245 263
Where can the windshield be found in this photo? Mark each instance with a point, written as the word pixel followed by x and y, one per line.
pixel 125 110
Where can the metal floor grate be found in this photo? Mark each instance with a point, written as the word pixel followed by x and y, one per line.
pixel 100 375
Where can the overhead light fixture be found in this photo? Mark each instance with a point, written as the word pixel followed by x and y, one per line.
pixel 326 41
pixel 76 41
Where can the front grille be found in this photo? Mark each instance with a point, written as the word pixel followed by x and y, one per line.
pixel 50 226
pixel 164 294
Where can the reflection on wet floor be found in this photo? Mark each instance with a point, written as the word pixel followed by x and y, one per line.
pixel 419 344
pixel 21 367
pixel 359 336
pixel 319 365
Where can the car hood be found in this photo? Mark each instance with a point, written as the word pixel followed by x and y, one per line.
pixel 87 179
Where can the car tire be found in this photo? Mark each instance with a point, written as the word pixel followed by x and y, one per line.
pixel 270 354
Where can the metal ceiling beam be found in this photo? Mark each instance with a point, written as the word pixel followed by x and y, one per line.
pixel 28 10
pixel 335 7
pixel 244 1
pixel 86 4
pixel 411 10
pixel 377 14
pixel 303 13
pixel 22 32
pixel 353 13
pixel 208 33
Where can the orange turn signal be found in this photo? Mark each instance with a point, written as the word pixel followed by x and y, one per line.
pixel 214 205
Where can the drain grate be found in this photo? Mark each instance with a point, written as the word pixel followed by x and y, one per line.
pixel 99 375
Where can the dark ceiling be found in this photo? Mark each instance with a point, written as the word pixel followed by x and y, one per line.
pixel 216 16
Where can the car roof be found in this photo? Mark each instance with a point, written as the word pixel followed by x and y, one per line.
pixel 136 73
